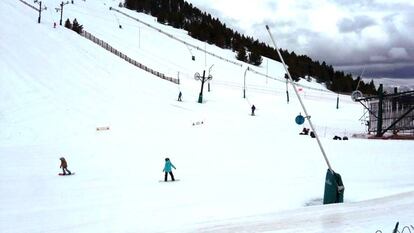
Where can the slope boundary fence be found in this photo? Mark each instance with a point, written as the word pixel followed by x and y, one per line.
pixel 27 4
pixel 111 49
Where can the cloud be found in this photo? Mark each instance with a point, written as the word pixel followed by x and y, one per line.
pixel 398 54
pixel 377 58
pixel 356 24
pixel 344 33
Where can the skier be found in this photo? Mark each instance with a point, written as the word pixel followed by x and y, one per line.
pixel 179 96
pixel 253 109
pixel 64 166
pixel 167 169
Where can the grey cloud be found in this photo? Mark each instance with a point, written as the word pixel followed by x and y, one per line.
pixel 353 2
pixel 272 5
pixel 393 58
pixel 399 72
pixel 356 24
pixel 379 70
pixel 398 53
pixel 372 5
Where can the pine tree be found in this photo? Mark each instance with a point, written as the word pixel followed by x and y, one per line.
pixel 255 58
pixel 77 27
pixel 68 24
pixel 241 54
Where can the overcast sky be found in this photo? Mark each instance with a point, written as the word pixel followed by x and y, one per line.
pixel 352 35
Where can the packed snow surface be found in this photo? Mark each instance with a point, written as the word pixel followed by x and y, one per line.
pixel 238 173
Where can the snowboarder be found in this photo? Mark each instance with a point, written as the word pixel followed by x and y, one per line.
pixel 253 109
pixel 64 166
pixel 54 25
pixel 167 169
pixel 179 96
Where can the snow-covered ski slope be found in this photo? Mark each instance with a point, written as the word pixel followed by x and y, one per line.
pixel 237 173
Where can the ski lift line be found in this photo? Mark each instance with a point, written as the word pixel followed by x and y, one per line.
pixel 91 15
pixel 166 63
pixel 29 5
pixel 175 38
pixel 280 80
pixel 210 53
pixel 51 16
pixel 236 85
pixel 300 101
pixel 111 49
pixel 116 17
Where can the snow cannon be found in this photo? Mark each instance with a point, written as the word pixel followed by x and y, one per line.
pixel 334 188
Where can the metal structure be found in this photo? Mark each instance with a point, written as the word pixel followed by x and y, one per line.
pixel 307 116
pixel 334 187
pixel 40 9
pixel 203 79
pixel 61 11
pixel 390 113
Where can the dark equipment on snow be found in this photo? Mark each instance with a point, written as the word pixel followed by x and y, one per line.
pixel 312 134
pixel 334 188
pixel 305 131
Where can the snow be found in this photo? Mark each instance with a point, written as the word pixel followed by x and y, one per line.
pixel 237 172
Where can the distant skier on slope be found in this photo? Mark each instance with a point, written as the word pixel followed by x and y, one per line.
pixel 180 95
pixel 253 109
pixel 167 169
pixel 64 166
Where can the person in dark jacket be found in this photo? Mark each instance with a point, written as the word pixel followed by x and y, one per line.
pixel 168 169
pixel 64 166
pixel 253 109
pixel 180 95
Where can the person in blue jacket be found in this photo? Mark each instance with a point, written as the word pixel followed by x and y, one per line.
pixel 168 169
